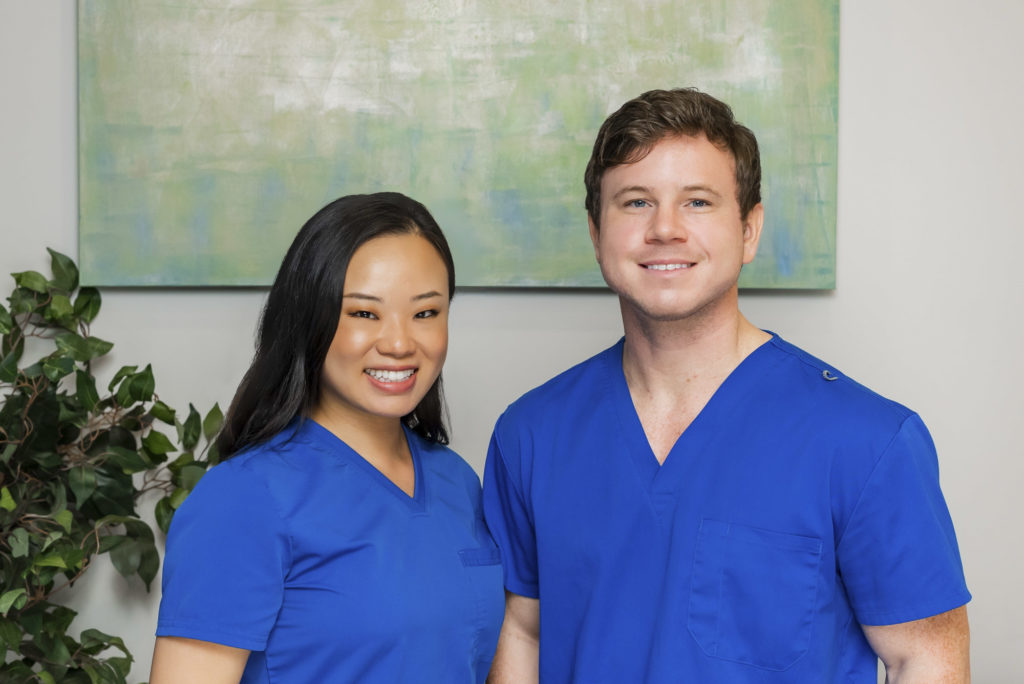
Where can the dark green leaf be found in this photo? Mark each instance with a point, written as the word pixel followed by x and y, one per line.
pixel 190 475
pixel 94 637
pixel 149 565
pixel 10 633
pixel 127 460
pixel 82 481
pixel 164 514
pixel 213 454
pixel 123 372
pixel 73 345
pixel 55 368
pixel 118 436
pixel 31 280
pixel 110 541
pixel 6 322
pixel 65 273
pixel 190 430
pixel 87 304
pixel 53 648
pixel 24 300
pixel 211 424
pixel 8 451
pixel 98 347
pixel 9 367
pixel 178 497
pixel 60 311
pixel 126 557
pixel 162 412
pixel 85 387
pixel 142 384
pixel 18 540
pixel 157 442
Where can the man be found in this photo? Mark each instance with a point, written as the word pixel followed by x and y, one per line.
pixel 704 502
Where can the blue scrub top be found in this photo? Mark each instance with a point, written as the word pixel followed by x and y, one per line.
pixel 302 552
pixel 796 506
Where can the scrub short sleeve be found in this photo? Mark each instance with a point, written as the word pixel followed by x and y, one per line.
pixel 508 517
pixel 226 559
pixel 898 555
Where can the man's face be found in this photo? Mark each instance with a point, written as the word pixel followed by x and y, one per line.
pixel 671 241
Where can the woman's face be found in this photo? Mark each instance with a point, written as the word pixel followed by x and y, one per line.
pixel 392 335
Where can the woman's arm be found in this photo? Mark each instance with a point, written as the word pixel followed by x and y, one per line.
pixel 200 662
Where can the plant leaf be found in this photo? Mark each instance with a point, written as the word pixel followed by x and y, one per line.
pixel 6 500
pixel 126 557
pixel 60 310
pixel 9 599
pixel 164 513
pixel 190 476
pixel 65 273
pixel 6 322
pixel 55 368
pixel 85 387
pixel 64 519
pixel 10 633
pixel 142 384
pixel 73 345
pixel 162 412
pixel 98 347
pixel 82 481
pixel 122 372
pixel 190 430
pixel 211 424
pixel 127 460
pixel 50 560
pixel 9 367
pixel 31 280
pixel 19 542
pixel 157 443
pixel 87 304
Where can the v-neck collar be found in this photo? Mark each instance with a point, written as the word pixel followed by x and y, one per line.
pixel 696 433
pixel 334 445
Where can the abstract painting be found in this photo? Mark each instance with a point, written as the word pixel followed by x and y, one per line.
pixel 210 130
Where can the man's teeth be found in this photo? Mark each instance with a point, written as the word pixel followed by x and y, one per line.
pixel 390 376
pixel 666 267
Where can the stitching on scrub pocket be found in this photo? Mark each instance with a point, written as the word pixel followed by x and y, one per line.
pixel 482 556
pixel 753 594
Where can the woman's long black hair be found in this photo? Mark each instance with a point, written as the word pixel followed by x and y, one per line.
pixel 301 317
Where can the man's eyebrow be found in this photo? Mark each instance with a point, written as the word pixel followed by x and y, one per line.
pixel 644 189
pixel 702 188
pixel 629 189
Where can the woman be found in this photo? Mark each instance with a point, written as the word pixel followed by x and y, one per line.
pixel 340 541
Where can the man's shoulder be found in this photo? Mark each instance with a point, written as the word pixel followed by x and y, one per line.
pixel 813 384
pixel 568 389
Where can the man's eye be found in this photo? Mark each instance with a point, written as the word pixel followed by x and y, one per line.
pixel 699 203
pixel 637 204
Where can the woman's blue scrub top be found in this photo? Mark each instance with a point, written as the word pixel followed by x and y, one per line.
pixel 303 553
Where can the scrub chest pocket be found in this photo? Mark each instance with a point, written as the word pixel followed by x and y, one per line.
pixel 753 594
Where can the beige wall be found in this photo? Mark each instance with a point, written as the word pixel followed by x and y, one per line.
pixel 928 308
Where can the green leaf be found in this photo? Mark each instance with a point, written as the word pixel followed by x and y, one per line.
pixel 23 301
pixel 54 536
pixel 65 273
pixel 82 481
pixel 142 384
pixel 73 345
pixel 47 678
pixel 211 424
pixel 110 541
pixel 97 347
pixel 60 310
pixel 157 443
pixel 164 513
pixel 6 500
pixel 94 637
pixel 213 454
pixel 190 476
pixel 149 565
pixel 10 632
pixel 126 557
pixel 190 430
pixel 64 519
pixel 6 322
pixel 87 304
pixel 31 280
pixel 123 372
pixel 127 460
pixel 178 497
pixel 5 455
pixel 85 387
pixel 19 542
pixel 50 560
pixel 12 598
pixel 55 368
pixel 9 367
pixel 162 412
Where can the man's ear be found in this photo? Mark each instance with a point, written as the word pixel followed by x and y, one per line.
pixel 752 226
pixel 594 237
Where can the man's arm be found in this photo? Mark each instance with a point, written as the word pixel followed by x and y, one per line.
pixel 935 650
pixel 517 658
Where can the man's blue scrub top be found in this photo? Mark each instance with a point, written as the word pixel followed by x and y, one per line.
pixel 795 506
pixel 304 553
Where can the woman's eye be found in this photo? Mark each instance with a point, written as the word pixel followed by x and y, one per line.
pixel 429 313
pixel 362 314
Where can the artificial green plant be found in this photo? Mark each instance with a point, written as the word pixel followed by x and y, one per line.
pixel 74 461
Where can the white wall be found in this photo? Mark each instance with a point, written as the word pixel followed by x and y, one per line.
pixel 928 308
